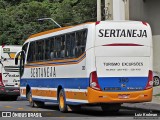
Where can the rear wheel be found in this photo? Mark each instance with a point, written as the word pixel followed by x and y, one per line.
pixel 62 102
pixel 110 107
pixel 39 103
pixel 74 107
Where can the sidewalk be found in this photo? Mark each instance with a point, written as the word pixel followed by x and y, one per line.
pixel 147 106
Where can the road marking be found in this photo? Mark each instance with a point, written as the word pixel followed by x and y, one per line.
pixel 20 108
pixel 8 106
pixel 62 117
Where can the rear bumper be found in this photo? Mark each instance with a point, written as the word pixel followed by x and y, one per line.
pixel 9 91
pixel 95 96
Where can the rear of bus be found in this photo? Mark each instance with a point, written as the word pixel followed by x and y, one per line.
pixel 9 76
pixel 123 58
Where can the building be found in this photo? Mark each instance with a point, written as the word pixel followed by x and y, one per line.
pixel 140 10
pixel 148 10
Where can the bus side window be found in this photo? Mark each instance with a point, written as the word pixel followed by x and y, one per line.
pixel 31 52
pixel 24 48
pixel 81 37
pixel 47 49
pixel 70 45
pixel 62 46
pixel 40 50
pixel 52 48
pixel 57 47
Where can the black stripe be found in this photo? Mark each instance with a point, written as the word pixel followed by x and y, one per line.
pixel 11 67
pixel 12 70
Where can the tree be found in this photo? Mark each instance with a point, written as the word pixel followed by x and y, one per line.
pixel 18 18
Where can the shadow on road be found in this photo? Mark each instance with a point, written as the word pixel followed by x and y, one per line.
pixel 8 98
pixel 52 110
pixel 94 111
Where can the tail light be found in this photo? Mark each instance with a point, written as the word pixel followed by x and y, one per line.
pixel 1 82
pixel 97 22
pixel 150 80
pixel 144 23
pixel 94 81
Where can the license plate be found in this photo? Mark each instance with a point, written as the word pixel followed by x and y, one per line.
pixel 123 96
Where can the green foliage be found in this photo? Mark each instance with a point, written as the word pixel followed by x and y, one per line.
pixel 19 18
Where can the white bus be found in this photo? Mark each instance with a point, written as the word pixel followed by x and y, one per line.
pixel 106 63
pixel 9 72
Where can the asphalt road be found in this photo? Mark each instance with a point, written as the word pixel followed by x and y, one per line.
pixel 51 112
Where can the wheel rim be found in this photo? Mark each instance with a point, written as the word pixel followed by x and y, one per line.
pixel 30 100
pixel 61 100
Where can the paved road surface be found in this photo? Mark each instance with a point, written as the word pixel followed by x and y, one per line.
pixel 127 112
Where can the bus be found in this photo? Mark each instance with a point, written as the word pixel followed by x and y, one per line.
pixel 9 72
pixel 103 63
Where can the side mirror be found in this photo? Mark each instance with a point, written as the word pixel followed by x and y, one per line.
pixel 16 57
pixel 16 61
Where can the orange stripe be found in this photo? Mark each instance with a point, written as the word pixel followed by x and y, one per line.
pixel 44 93
pixel 24 91
pixel 64 60
pixel 49 93
pixel 76 95
pixel 49 31
pixel 48 62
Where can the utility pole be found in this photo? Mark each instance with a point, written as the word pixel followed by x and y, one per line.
pixel 108 10
pixel 120 9
pixel 114 10
pixel 99 17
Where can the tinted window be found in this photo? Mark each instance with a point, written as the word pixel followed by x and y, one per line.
pixel 31 52
pixel 40 49
pixel 63 46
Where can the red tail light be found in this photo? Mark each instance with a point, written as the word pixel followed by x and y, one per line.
pixel 97 22
pixel 150 80
pixel 94 81
pixel 145 23
pixel 1 82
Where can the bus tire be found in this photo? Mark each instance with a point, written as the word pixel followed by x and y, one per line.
pixel 110 108
pixel 74 108
pixel 39 103
pixel 30 99
pixel 62 101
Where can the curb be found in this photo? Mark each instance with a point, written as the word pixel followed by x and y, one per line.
pixel 147 106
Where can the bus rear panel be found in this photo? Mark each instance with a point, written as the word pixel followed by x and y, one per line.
pixel 123 57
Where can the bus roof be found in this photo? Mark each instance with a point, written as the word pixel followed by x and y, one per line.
pixel 55 30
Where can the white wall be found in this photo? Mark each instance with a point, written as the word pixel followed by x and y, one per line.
pixel 148 10
pixel 156 53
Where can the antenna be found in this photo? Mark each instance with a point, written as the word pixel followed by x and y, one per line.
pixel 42 19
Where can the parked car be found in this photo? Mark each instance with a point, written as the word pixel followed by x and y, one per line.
pixel 156 78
